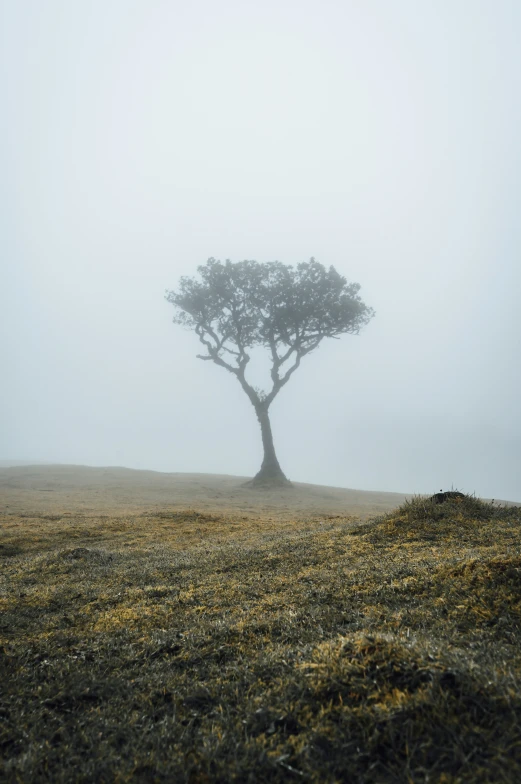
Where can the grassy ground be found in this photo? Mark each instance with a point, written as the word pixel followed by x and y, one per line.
pixel 185 647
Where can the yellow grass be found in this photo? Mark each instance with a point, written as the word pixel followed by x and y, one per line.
pixel 196 647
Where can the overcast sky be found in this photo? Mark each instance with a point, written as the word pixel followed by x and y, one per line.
pixel 141 137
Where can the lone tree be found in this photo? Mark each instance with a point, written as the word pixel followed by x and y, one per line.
pixel 236 306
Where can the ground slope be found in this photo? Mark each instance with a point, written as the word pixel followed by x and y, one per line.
pixel 190 647
pixel 67 488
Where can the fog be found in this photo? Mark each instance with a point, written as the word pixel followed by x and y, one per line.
pixel 142 137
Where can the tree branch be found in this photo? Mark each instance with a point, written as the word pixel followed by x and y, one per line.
pixel 242 359
pixel 236 306
pixel 278 382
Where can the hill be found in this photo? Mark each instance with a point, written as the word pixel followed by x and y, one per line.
pixel 114 490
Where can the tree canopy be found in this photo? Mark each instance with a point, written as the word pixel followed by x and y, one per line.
pixel 236 306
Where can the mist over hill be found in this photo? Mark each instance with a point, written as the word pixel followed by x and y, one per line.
pixel 109 489
pixel 114 489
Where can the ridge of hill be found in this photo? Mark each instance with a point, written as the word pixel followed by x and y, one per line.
pixel 93 490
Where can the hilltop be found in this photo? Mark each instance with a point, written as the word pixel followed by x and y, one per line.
pixel 115 490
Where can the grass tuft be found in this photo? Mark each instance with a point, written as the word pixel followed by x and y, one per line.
pixel 468 507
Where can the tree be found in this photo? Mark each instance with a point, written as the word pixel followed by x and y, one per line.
pixel 236 306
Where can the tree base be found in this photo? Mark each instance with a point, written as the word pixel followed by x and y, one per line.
pixel 269 479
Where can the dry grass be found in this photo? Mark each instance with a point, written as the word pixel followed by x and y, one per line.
pixel 194 647
pixel 55 489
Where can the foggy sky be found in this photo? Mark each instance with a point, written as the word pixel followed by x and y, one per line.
pixel 142 137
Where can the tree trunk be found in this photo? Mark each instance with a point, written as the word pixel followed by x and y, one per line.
pixel 270 473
